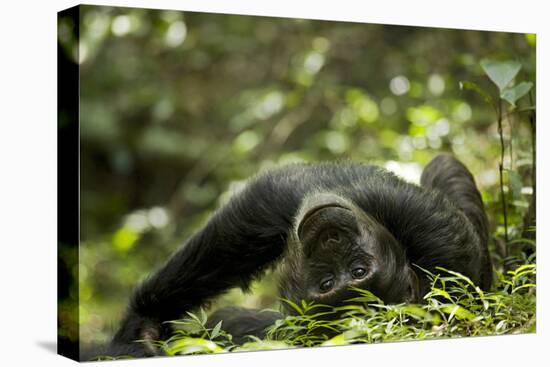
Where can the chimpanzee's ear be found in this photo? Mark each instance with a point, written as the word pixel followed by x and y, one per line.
pixel 413 292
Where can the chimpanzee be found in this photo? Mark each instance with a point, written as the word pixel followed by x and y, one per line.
pixel 330 226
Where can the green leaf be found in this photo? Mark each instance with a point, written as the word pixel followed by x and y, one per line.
pixel 523 286
pixel 513 94
pixel 458 275
pixel 262 345
pixel 216 330
pixel 460 312
pixel 337 340
pixel 294 306
pixel 440 292
pixel 501 73
pixel 194 317
pixel 204 316
pixel 529 268
pixel 467 85
pixel 193 346
pixel 365 296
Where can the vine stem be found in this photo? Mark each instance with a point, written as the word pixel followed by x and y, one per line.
pixel 501 173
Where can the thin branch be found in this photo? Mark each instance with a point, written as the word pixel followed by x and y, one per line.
pixel 501 173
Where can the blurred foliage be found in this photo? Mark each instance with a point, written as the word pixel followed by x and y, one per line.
pixel 177 109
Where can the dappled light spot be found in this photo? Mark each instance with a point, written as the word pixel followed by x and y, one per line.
pixel 137 221
pixel 269 105
pixel 367 110
pixel 436 84
pixel 121 25
pixel 336 142
pixel 363 106
pixel 143 220
pixel 344 118
pixel 422 115
pixel 399 85
pixel 462 112
pixel 527 190
pixel 434 143
pixel 97 23
pixel 405 147
pixel 440 128
pixel 419 142
pixel 313 62
pixel 246 141
pixel 409 171
pixel 176 33
pixel 82 51
pixel 437 130
pixel 487 178
pixel 158 217
pixel 321 44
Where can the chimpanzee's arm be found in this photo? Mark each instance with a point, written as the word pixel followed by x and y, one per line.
pixel 238 243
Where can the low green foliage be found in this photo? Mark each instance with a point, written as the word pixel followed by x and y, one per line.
pixel 454 307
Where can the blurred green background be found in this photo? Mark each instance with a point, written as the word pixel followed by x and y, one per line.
pixel 178 109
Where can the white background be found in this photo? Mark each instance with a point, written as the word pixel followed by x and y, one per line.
pixel 28 181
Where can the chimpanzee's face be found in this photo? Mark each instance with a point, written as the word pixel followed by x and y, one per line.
pixel 341 247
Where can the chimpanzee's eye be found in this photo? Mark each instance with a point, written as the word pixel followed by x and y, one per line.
pixel 358 273
pixel 326 285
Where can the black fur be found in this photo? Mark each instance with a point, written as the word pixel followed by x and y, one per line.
pixel 394 224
